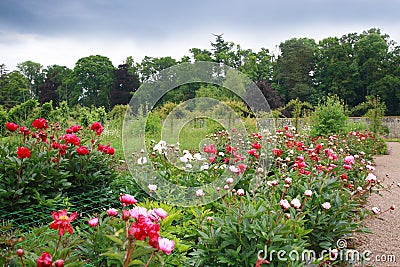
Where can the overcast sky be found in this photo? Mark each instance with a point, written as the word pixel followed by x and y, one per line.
pixel 63 31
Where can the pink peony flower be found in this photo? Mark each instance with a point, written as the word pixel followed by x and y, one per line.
pixel 152 187
pixel 240 192
pixel 349 160
pixel 127 199
pixel 229 181
pixel 199 193
pixel 295 203
pixel 161 212
pixel 326 205
pixel 93 222
pixel 308 193
pixel 376 210
pixel 284 204
pixel 166 245
pixel 371 178
pixel 112 212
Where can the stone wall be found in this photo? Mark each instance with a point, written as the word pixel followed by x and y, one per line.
pixel 393 124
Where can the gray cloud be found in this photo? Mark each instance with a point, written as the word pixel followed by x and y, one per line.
pixel 154 24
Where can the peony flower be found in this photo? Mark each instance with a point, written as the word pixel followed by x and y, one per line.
pixel 127 199
pixel 393 207
pixel 284 204
pixel 45 260
pixel 295 203
pixel 59 263
pixel 240 192
pixel 288 180
pixel 93 222
pixel 349 160
pixel 12 127
pixel 210 149
pixel 112 212
pixel 370 168
pixel 347 167
pixel 370 178
pixel 82 150
pixel 138 211
pixel 20 252
pixel 40 124
pixel 126 215
pixel 326 205
pixel 199 193
pixel 110 150
pixel 97 127
pixel 23 153
pixel 376 210
pixel 209 219
pixel 142 160
pixel 62 222
pixel 152 187
pixel 308 193
pixel 234 169
pixel 166 245
pixel 229 180
pixel 161 212
pixel 72 139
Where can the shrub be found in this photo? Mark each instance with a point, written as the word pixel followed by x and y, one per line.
pixel 43 163
pixel 329 117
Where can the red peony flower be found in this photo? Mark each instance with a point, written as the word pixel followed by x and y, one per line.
pixel 256 145
pixel 110 150
pixel 24 130
pixel 45 260
pixel 40 123
pixel 97 127
pixel 72 139
pixel 12 127
pixel 73 129
pixel 62 221
pixel 23 153
pixel 82 150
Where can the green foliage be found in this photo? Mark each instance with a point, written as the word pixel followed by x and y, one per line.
pixel 329 117
pixel 23 112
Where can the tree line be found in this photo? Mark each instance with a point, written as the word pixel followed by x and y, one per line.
pixel 354 67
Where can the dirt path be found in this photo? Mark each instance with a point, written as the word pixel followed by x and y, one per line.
pixel 384 243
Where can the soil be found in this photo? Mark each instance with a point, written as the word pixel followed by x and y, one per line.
pixel 384 242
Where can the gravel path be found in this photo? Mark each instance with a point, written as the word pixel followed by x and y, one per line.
pixel 384 242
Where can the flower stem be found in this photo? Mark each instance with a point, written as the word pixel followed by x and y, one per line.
pixel 151 257
pixel 19 173
pixel 58 244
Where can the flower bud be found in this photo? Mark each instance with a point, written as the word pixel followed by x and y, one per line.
pixel 20 252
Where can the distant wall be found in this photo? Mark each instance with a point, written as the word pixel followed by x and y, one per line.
pixel 393 123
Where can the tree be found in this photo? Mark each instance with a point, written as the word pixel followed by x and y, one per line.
pixel 336 71
pixel 370 54
pixel 124 84
pixel 32 71
pixel 14 89
pixel 50 89
pixel 272 96
pixel 200 54
pixel 93 77
pixel 150 67
pixel 295 67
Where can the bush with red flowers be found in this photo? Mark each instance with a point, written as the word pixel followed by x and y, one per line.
pixel 45 163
